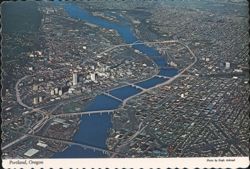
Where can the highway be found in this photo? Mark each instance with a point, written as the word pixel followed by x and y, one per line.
pixel 14 142
pixel 19 100
pixel 146 90
pixel 129 139
pixel 47 116
pixel 171 79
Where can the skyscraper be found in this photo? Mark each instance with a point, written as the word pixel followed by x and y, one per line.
pixel 60 92
pixel 40 98
pixel 56 90
pixel 52 92
pixel 35 100
pixel 93 76
pixel 227 65
pixel 74 78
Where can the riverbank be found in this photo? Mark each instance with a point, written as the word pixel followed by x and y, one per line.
pixel 93 122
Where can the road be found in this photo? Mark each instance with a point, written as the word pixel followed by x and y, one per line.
pixel 14 142
pixel 165 83
pixel 47 115
pixel 19 100
pixel 129 139
pixel 171 79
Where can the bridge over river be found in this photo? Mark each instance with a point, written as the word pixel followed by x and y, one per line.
pixel 84 146
pixel 82 113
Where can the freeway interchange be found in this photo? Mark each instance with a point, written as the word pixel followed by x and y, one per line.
pixel 46 116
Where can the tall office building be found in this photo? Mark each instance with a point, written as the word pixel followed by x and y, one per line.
pixel 60 92
pixel 35 100
pixel 40 98
pixel 52 92
pixel 74 78
pixel 227 65
pixel 93 76
pixel 56 90
pixel 35 87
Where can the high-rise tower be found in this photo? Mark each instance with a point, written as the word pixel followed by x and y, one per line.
pixel 74 78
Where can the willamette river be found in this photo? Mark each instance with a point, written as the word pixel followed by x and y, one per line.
pixel 94 128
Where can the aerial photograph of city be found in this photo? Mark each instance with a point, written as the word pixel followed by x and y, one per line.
pixel 125 79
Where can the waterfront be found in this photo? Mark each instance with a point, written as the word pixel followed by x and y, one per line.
pixel 96 127
pixel 128 81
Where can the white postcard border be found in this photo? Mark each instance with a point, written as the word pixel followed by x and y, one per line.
pixel 135 163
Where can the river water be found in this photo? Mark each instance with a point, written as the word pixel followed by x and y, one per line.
pixel 94 128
